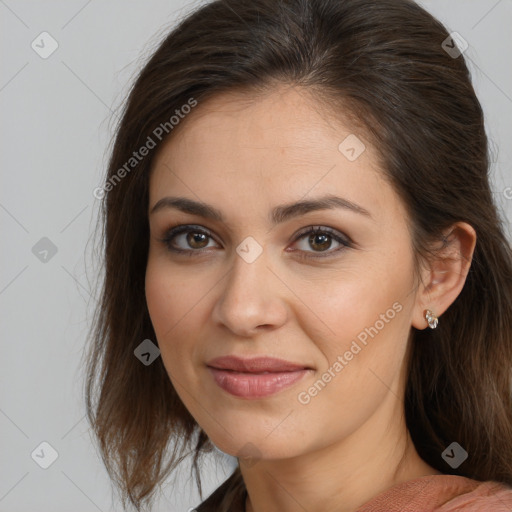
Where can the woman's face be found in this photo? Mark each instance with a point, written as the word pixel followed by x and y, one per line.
pixel 251 282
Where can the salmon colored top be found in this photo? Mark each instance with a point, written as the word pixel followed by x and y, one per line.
pixel 442 493
pixel 433 493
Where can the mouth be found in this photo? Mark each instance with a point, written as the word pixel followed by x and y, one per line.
pixel 255 377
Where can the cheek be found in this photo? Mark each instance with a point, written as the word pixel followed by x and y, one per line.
pixel 177 305
pixel 169 295
pixel 170 304
pixel 364 317
pixel 159 298
pixel 341 305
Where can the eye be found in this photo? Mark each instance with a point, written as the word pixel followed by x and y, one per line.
pixel 321 239
pixel 191 239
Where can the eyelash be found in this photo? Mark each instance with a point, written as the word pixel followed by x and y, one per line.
pixel 346 243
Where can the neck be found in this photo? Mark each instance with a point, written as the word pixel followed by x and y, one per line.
pixel 340 477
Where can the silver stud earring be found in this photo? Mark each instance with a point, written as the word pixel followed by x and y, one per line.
pixel 433 320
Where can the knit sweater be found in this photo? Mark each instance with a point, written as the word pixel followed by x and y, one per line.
pixel 434 493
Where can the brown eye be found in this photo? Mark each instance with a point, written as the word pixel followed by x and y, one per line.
pixel 321 239
pixel 192 240
pixel 186 239
pixel 196 240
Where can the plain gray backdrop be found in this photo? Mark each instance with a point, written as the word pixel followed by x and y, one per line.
pixel 57 113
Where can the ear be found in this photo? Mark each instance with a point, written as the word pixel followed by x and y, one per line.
pixel 445 276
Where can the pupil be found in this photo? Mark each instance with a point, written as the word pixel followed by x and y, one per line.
pixel 195 237
pixel 325 238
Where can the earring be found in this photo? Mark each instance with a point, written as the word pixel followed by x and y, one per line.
pixel 433 320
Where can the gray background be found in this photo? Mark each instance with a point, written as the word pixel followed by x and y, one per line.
pixel 57 118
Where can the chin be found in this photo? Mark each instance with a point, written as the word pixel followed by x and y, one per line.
pixel 249 449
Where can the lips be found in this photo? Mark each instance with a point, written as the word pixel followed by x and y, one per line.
pixel 255 364
pixel 257 377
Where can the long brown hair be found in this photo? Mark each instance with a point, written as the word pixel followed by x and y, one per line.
pixel 384 62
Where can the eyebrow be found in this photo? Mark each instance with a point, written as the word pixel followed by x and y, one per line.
pixel 278 215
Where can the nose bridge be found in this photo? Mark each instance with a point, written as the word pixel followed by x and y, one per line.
pixel 249 298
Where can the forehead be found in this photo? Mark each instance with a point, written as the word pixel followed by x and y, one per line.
pixel 278 146
pixel 286 118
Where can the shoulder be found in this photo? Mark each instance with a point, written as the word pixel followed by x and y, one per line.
pixel 443 493
pixel 480 497
pixel 434 493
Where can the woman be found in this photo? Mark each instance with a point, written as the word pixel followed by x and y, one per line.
pixel 298 214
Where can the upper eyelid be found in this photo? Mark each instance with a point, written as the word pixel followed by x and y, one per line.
pixel 187 228
pixel 324 229
pixel 180 228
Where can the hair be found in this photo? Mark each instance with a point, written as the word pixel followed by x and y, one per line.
pixel 383 64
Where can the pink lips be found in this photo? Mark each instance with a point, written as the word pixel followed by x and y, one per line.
pixel 255 377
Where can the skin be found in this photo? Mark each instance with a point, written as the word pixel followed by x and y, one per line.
pixel 245 155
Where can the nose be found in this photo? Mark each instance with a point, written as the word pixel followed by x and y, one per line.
pixel 251 299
